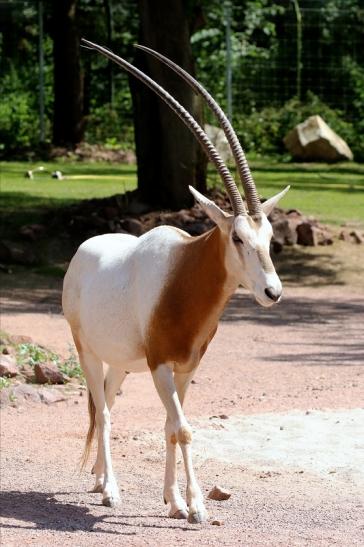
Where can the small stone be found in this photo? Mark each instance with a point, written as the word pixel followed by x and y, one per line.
pixel 281 427
pixel 8 367
pixel 5 351
pixel 217 523
pixel 223 417
pixel 132 226
pixel 32 231
pixel 48 373
pixel 21 339
pixel 344 236
pixel 357 237
pixel 219 494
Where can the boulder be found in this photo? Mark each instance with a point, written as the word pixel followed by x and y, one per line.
pixel 48 373
pixel 219 140
pixel 314 140
pixel 8 367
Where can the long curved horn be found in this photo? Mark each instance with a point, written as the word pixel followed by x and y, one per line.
pixel 190 122
pixel 245 175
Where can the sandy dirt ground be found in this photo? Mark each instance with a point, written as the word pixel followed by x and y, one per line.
pixel 288 383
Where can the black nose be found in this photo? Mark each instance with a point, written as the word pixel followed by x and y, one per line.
pixel 272 294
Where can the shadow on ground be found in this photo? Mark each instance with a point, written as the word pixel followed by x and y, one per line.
pixel 295 311
pixel 42 511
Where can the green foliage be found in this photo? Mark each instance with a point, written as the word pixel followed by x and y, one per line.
pixel 4 382
pixel 106 125
pixel 355 75
pixel 264 63
pixel 18 122
pixel 32 354
pixel 263 130
pixel 71 366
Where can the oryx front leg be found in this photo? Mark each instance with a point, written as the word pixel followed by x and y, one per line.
pixel 180 431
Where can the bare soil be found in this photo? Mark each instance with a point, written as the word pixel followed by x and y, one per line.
pixel 288 382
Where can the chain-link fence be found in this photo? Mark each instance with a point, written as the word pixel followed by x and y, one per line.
pixel 269 54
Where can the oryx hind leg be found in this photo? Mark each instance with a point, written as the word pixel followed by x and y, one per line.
pixel 113 380
pixel 92 367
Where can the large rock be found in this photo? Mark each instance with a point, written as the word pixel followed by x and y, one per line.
pixel 314 140
pixel 219 140
pixel 48 373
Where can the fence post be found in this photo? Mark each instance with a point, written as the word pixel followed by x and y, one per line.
pixel 227 14
pixel 299 49
pixel 41 71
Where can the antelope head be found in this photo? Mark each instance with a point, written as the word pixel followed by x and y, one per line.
pixel 248 231
pixel 248 253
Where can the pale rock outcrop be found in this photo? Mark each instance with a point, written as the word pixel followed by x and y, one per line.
pixel 314 140
pixel 219 140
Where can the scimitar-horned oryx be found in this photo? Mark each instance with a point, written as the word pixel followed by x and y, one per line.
pixel 153 303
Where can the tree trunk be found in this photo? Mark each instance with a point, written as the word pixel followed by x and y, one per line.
pixel 68 123
pixel 168 155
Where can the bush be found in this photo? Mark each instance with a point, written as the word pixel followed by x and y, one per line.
pixel 104 125
pixel 263 131
pixel 18 122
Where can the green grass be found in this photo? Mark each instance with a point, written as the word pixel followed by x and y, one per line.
pixel 82 181
pixel 332 193
pixel 23 200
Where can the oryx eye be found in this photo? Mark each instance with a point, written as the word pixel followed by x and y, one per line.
pixel 236 238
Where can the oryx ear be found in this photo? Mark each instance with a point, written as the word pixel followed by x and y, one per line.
pixel 269 205
pixel 216 214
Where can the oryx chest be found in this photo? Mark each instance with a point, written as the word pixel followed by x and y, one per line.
pixel 185 317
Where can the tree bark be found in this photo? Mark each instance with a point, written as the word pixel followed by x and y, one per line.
pixel 68 122
pixel 169 158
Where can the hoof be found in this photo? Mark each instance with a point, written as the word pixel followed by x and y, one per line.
pixel 180 514
pixel 97 489
pixel 110 501
pixel 197 518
